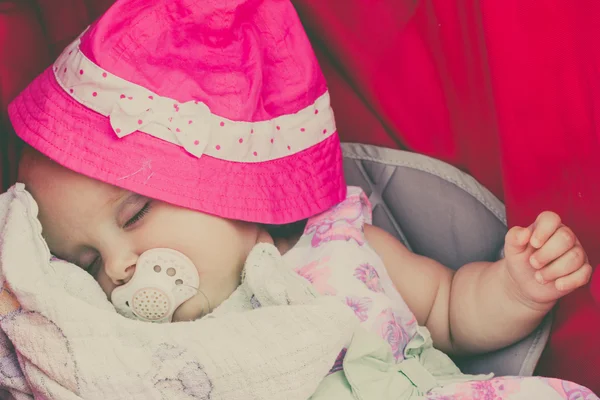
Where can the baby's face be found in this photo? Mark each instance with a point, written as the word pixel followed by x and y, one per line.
pixel 104 229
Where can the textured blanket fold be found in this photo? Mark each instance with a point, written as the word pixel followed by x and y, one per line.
pixel 61 339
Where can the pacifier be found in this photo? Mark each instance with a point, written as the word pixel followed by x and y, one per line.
pixel 163 280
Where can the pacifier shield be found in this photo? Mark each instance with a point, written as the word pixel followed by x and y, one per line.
pixel 151 304
pixel 163 280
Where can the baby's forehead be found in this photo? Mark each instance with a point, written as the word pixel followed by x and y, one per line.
pixel 41 173
pixel 70 204
pixel 58 190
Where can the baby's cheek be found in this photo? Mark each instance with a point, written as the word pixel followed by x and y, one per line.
pixel 218 284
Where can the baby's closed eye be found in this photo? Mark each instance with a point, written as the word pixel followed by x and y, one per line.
pixel 138 216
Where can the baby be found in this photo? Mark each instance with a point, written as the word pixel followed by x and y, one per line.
pixel 482 307
pixel 200 128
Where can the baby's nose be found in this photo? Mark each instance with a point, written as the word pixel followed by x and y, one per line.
pixel 129 271
pixel 119 274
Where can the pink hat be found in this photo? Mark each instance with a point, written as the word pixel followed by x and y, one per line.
pixel 217 105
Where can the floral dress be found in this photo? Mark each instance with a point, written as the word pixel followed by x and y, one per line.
pixel 335 258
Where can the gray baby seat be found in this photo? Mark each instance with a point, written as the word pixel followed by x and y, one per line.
pixel 438 211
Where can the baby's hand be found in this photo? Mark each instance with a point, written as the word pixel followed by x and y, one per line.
pixel 546 261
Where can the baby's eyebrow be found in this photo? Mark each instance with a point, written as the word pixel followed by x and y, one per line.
pixel 120 197
pixel 125 200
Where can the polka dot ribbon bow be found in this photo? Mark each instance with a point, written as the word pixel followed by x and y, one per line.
pixel 189 122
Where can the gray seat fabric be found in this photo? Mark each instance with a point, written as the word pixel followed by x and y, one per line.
pixel 438 211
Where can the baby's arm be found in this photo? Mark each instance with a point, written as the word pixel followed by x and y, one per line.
pixel 485 306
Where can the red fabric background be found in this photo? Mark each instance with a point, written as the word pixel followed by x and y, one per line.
pixel 508 91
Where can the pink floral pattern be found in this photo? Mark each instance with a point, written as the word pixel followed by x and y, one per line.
pixel 342 222
pixel 503 388
pixel 360 305
pixel 493 389
pixel 318 273
pixel 367 274
pixel 390 329
pixel 338 365
pixel 572 391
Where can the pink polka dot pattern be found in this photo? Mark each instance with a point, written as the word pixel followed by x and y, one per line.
pixel 222 123
pixel 241 140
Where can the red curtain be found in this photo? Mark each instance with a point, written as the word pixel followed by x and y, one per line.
pixel 505 90
pixel 545 64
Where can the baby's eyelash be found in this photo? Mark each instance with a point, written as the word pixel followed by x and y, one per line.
pixel 137 217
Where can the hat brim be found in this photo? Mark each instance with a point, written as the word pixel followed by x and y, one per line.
pixel 280 191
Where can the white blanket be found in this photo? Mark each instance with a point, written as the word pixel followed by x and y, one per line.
pixel 61 339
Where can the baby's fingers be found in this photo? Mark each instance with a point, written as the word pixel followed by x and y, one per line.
pixel 544 227
pixel 559 243
pixel 516 241
pixel 564 265
pixel 575 280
